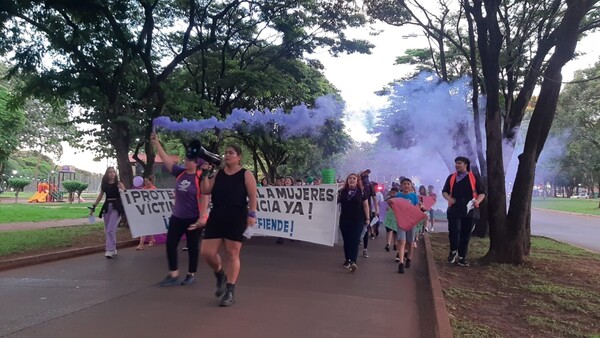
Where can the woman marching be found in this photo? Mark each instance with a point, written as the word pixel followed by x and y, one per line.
pixel 233 191
pixel 112 209
pixel 354 217
pixel 189 213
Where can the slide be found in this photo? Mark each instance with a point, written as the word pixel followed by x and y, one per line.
pixel 39 197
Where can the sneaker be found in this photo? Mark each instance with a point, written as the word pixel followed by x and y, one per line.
pixel 365 253
pixel 395 247
pixel 397 259
pixel 114 252
pixel 108 254
pixel 432 229
pixel 184 248
pixel 353 267
pixel 189 280
pixel 452 257
pixel 228 299
pixel 387 248
pixel 169 281
pixel 400 268
pixel 372 237
pixel 346 265
pixel 463 262
pixel 408 260
pixel 221 282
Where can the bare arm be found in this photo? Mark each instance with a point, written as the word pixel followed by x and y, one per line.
pixel 168 162
pixel 479 199
pixel 207 184
pixel 250 182
pixel 451 200
pixel 98 199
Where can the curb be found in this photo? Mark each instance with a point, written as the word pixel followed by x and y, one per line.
pixel 565 212
pixel 441 322
pixel 14 263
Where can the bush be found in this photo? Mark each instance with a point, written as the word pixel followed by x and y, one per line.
pixel 18 184
pixel 74 187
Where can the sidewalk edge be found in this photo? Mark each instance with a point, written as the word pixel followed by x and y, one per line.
pixel 565 212
pixel 14 263
pixel 443 329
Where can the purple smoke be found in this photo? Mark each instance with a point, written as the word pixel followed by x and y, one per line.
pixel 301 120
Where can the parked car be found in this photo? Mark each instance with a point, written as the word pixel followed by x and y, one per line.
pixel 581 195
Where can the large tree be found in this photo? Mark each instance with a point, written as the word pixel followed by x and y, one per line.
pixel 515 43
pixel 115 58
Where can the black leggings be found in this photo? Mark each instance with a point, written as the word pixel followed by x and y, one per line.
pixel 351 236
pixel 178 227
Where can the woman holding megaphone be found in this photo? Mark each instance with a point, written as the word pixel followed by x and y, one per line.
pixel 189 213
pixel 233 194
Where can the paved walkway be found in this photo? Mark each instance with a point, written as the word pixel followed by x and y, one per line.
pixel 291 290
pixel 42 225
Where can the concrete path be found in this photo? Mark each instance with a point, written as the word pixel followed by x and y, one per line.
pixel 291 290
pixel 43 225
pixel 579 230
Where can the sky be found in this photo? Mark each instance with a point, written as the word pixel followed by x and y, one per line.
pixel 358 76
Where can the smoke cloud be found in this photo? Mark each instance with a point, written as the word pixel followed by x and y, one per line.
pixel 300 121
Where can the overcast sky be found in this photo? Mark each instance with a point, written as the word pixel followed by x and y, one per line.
pixel 359 76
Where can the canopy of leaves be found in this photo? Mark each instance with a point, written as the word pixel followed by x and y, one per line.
pixel 578 125
pixel 18 183
pixel 74 186
pixel 12 122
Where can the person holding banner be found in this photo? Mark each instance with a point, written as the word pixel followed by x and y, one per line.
pixel 405 236
pixel 464 192
pixel 111 210
pixel 148 185
pixel 234 203
pixel 189 213
pixel 354 216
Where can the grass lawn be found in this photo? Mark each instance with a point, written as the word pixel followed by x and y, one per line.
pixel 36 212
pixel 581 206
pixel 16 243
pixel 555 294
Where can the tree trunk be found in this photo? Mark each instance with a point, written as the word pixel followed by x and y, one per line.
pixel 489 44
pixel 121 143
pixel 481 225
pixel 519 214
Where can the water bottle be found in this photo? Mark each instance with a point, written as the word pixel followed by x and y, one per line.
pixel 92 219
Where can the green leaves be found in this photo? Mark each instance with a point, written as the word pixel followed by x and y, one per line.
pixel 18 183
pixel 12 122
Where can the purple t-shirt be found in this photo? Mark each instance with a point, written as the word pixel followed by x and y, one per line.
pixel 186 194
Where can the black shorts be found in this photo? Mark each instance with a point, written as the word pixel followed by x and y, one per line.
pixel 388 230
pixel 227 223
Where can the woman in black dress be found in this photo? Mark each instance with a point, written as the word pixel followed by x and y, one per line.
pixel 233 193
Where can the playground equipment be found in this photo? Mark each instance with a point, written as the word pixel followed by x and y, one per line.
pixel 41 195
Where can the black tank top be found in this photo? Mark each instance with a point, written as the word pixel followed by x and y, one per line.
pixel 230 190
pixel 111 190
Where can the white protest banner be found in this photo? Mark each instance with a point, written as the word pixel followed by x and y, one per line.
pixel 306 213
pixel 148 211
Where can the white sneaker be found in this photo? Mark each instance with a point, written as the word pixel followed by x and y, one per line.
pixel 114 252
pixel 108 254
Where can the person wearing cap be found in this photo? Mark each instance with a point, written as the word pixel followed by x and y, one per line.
pixel 234 203
pixel 464 192
pixel 189 213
